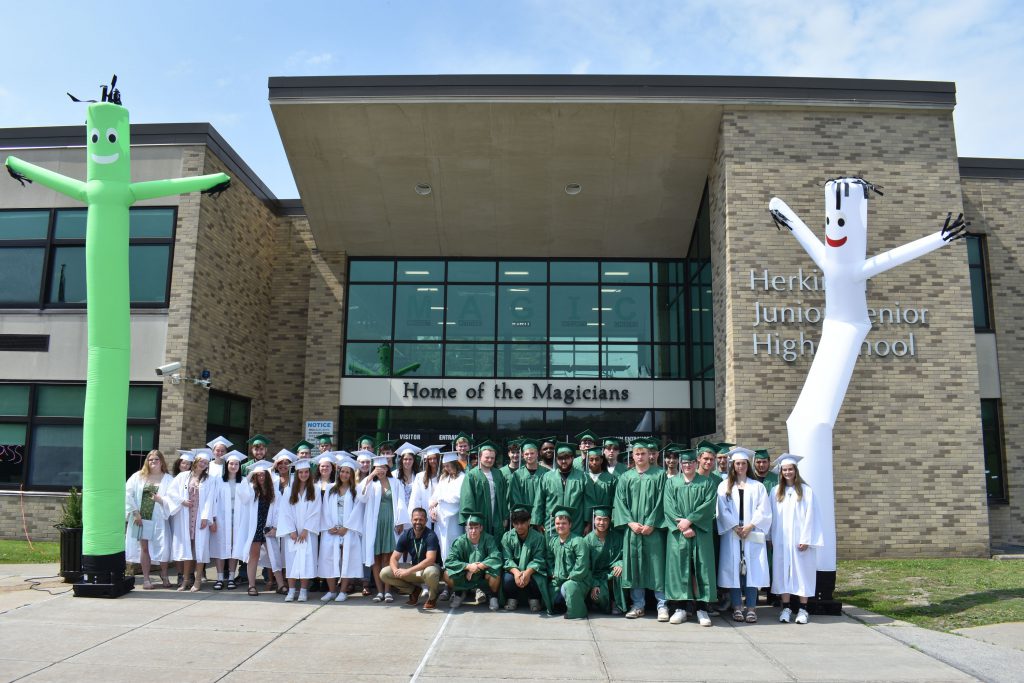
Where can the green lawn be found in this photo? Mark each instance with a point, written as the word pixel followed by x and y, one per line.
pixel 18 552
pixel 937 594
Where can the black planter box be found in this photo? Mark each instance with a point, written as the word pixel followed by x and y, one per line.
pixel 70 554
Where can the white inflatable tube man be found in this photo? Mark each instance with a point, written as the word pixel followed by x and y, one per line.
pixel 842 260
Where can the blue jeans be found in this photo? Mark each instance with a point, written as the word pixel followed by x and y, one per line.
pixel 636 597
pixel 531 592
pixel 749 591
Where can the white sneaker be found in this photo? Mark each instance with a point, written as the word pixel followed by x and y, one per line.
pixel 492 604
pixel 303 595
pixel 342 597
pixel 480 596
pixel 457 599
pixel 291 595
pixel 786 615
pixel 511 604
pixel 535 605
pixel 702 618
pixel 678 617
pixel 327 597
pixel 663 614
pixel 801 616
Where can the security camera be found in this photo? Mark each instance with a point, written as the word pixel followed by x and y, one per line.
pixel 168 368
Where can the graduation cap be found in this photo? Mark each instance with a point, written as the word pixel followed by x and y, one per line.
pixel 302 446
pixel 722 447
pixel 613 441
pixel 514 444
pixel 528 443
pixel 429 451
pixel 325 438
pixel 389 444
pixel 203 453
pixel 762 454
pixel 740 453
pixel 325 457
pixel 594 451
pixel 302 464
pixel 365 439
pixel 235 456
pixel 563 511
pixel 706 446
pixel 487 445
pixel 602 512
pixel 548 439
pixel 258 439
pixel 284 454
pixel 786 459
pixel 187 456
pixel 670 452
pixel 587 434
pixel 364 455
pixel 349 462
pixel 460 436
pixel 261 466
pixel 688 455
pixel 474 518
pixel 380 461
pixel 219 440
pixel 565 447
pixel 450 456
pixel 407 448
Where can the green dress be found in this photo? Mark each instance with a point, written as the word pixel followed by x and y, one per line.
pixel 524 487
pixel 476 499
pixel 604 556
pixel 463 553
pixel 552 494
pixel 384 542
pixel 638 498
pixel 529 553
pixel 690 560
pixel 570 572
pixel 598 494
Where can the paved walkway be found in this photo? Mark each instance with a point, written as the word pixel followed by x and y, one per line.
pixel 229 636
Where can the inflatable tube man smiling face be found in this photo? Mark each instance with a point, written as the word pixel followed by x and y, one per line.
pixel 107 143
pixel 846 221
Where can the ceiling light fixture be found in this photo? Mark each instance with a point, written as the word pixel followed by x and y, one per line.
pixel 573 188
pixel 423 189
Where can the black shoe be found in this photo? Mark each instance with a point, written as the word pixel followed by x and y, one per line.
pixel 218 585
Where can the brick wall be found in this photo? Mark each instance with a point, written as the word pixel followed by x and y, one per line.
pixel 908 466
pixel 41 511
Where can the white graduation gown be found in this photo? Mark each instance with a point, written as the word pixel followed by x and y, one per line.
pixel 406 489
pixel 158 530
pixel 421 495
pixel 447 494
pixel 341 556
pixel 300 558
pixel 756 510
pixel 793 522
pixel 272 553
pixel 369 492
pixel 181 546
pixel 232 537
pixel 246 529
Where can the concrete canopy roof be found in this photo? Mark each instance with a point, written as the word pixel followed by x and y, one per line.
pixel 499 151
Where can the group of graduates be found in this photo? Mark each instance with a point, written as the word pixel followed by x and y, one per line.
pixel 562 527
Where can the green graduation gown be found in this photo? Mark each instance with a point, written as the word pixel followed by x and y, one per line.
pixel 770 481
pixel 531 553
pixel 476 498
pixel 604 556
pixel 463 553
pixel 551 494
pixel 570 567
pixel 689 560
pixel 620 469
pixel 508 473
pixel 638 498
pixel 524 487
pixel 598 494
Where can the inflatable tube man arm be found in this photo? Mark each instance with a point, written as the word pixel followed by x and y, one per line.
pixel 22 171
pixel 951 230
pixel 786 217
pixel 151 189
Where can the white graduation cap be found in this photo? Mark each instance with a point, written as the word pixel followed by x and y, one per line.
pixel 324 457
pixel 284 454
pixel 341 455
pixel 203 453
pixel 363 455
pixel 187 456
pixel 380 461
pixel 740 453
pixel 236 456
pixel 407 448
pixel 431 450
pixel 220 440
pixel 348 462
pixel 451 456
pixel 260 466
pixel 786 459
pixel 302 464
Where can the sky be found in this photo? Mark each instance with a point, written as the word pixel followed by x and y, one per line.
pixel 202 61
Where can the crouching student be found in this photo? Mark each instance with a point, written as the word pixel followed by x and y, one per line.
pixel 570 567
pixel 526 576
pixel 604 549
pixel 474 563
pixel 421 546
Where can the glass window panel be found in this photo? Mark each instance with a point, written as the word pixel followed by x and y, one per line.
pixel 371 271
pixel 522 312
pixel 217 408
pixel 12 453
pixel 626 361
pixel 669 362
pixel 978 299
pixel 523 271
pixel 470 312
pixel 60 400
pixel 419 312
pixel 420 271
pixel 517 422
pixel 70 224
pixel 471 271
pixel 239 417
pixel 574 271
pixel 669 314
pixel 369 311
pixel 668 272
pixel 522 360
pixel 626 313
pixel 147 272
pixel 485 424
pixel 365 360
pixel 14 399
pixel 574 315
pixel 625 271
pixel 151 223
pixel 21 273
pixel 24 225
pixel 973 249
pixel 139 440
pixel 574 360
pixel 143 402
pixel 469 360
pixel 417 360
pixel 56 457
pixel 67 276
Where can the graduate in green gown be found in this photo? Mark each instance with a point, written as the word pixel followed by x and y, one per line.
pixel 526 480
pixel 598 485
pixel 762 469
pixel 638 513
pixel 706 459
pixel 257 452
pixel 474 562
pixel 586 440
pixel 560 487
pixel 569 560
pixel 689 516
pixel 612 448
pixel 722 459
pixel 483 492
pixel 527 576
pixel 513 460
pixel 605 551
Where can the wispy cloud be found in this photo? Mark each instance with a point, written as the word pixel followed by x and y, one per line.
pixel 322 58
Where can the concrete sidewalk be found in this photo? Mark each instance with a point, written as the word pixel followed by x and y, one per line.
pixel 229 636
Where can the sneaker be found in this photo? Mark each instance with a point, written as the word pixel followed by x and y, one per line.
pixel 492 604
pixel 678 617
pixel 444 596
pixel 431 603
pixel 663 614
pixel 480 596
pixel 388 597
pixel 635 613
pixel 342 597
pixel 291 595
pixel 327 597
pixel 786 615
pixel 511 604
pixel 379 597
pixel 801 616
pixel 535 605
pixel 457 600
pixel 616 611
pixel 702 618
pixel 303 595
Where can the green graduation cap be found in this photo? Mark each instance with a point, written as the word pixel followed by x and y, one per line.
pixel 602 512
pixel 514 444
pixel 548 439
pixel 563 511
pixel 462 435
pixel 487 445
pixel 594 451
pixel 302 445
pixel 587 434
pixel 389 444
pixel 325 438
pixel 723 447
pixel 612 441
pixel 688 455
pixel 706 445
pixel 474 518
pixel 366 439
pixel 528 443
pixel 565 447
pixel 762 454
pixel 258 439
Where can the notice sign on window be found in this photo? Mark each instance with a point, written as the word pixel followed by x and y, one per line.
pixel 315 428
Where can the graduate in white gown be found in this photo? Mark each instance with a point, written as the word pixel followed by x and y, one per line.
pixel 323 466
pixel 298 521
pixel 193 496
pixel 341 523
pixel 147 511
pixel 406 470
pixel 182 464
pixel 444 503
pixel 272 554
pixel 260 520
pixel 796 534
pixel 219 446
pixel 426 481
pixel 227 543
pixel 744 520
pixel 384 517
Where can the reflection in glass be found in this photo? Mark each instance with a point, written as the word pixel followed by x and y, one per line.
pixel 626 313
pixel 469 360
pixel 427 356
pixel 522 271
pixel 419 311
pixel 574 271
pixel 471 271
pixel 470 312
pixel 21 271
pixel 522 312
pixel 371 271
pixel 522 360
pixel 12 452
pixel 67 279
pixel 574 360
pixel 626 361
pixel 369 311
pixel 365 360
pixel 56 457
pixel 24 225
pixel 574 314
pixel 420 271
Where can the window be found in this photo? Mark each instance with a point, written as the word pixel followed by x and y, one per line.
pixel 42 257
pixel 228 416
pixel 992 440
pixel 41 433
pixel 978 262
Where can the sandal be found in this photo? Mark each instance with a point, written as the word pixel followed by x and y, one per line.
pixel 388 597
pixel 737 615
pixel 167 584
pixel 282 590
pixel 147 585
pixel 379 597
pixel 218 585
pixel 751 616
pixel 366 592
pixel 252 591
pixel 231 584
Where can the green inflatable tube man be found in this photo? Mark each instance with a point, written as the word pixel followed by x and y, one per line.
pixel 108 191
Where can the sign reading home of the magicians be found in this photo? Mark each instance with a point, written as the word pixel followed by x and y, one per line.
pixel 771 319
